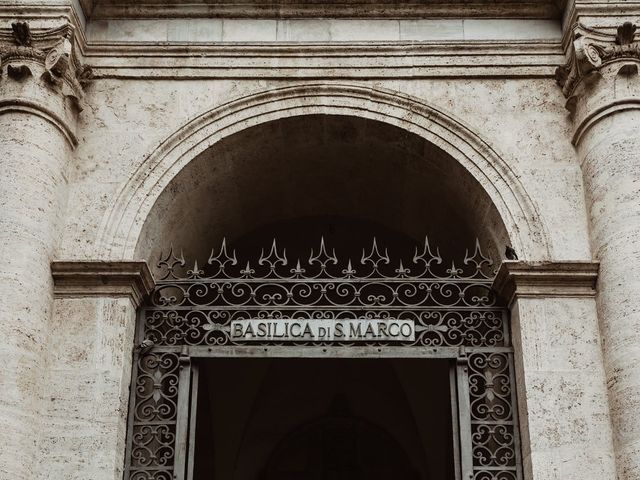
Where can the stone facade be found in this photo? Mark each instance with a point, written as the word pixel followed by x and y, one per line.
pixel 103 105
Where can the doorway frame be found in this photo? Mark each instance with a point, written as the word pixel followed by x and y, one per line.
pixel 483 395
pixel 187 372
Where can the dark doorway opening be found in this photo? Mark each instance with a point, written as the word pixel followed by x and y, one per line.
pixel 324 419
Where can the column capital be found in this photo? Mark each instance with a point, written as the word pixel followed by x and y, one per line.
pixel 520 279
pixel 592 49
pixel 41 72
pixel 98 278
pixel 601 74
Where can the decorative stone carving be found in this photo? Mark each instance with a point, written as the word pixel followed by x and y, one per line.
pixel 593 49
pixel 22 33
pixel 49 55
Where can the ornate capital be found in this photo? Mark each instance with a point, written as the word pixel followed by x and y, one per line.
pixel 49 57
pixel 592 49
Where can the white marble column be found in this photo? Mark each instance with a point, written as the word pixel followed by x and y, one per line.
pixel 603 88
pixel 38 103
pixel 562 395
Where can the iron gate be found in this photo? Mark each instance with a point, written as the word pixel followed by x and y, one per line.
pixel 454 311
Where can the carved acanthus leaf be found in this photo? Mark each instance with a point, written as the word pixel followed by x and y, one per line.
pixel 21 33
pixel 591 49
pixel 625 34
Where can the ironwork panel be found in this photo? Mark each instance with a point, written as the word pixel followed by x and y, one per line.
pixel 450 305
pixel 495 449
pixel 455 313
pixel 152 418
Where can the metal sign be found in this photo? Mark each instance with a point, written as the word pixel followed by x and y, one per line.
pixel 305 330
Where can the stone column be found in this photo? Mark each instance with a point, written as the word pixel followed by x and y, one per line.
pixel 603 89
pixel 562 395
pixel 39 94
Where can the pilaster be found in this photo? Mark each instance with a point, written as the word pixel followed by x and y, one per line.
pixel 88 372
pixel 562 396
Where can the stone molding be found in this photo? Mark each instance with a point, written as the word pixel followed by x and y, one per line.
pixel 17 104
pixel 520 279
pixel 433 59
pixel 606 109
pixel 102 279
pixel 591 50
pixel 326 8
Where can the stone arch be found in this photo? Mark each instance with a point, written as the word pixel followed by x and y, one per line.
pixel 123 223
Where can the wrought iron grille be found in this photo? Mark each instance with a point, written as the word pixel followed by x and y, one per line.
pixel 452 306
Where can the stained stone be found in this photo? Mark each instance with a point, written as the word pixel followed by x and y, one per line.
pixel 128 127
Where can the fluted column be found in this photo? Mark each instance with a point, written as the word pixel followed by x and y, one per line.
pixel 602 85
pixel 39 100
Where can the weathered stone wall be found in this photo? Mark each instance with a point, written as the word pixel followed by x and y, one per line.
pixel 88 372
pixel 482 88
pixel 524 120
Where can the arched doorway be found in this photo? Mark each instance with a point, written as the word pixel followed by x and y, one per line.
pixel 321 184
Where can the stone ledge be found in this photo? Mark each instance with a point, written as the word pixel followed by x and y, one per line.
pixel 148 9
pixel 310 61
pixel 97 278
pixel 518 279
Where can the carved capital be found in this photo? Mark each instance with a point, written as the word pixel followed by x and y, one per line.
pixel 49 57
pixel 591 50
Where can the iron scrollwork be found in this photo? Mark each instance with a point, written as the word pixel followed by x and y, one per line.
pixel 451 305
pixel 153 416
pixel 493 427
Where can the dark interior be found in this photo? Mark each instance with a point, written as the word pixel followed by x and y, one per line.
pixel 323 419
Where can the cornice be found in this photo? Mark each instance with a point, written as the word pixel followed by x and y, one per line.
pixel 44 12
pixel 102 279
pixel 519 279
pixel 601 14
pixel 331 60
pixel 325 9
